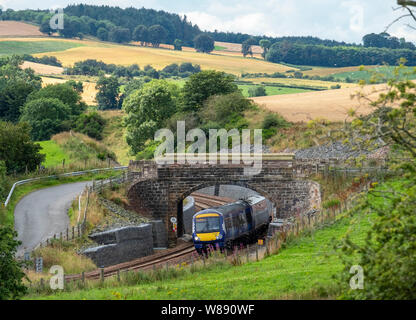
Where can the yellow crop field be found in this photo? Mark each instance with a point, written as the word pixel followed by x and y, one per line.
pixel 88 96
pixel 332 105
pixel 230 62
pixel 300 82
pixel 42 68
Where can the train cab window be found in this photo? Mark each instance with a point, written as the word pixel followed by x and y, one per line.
pixel 207 224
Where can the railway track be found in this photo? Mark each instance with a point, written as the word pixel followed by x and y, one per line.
pixel 177 255
pixel 203 201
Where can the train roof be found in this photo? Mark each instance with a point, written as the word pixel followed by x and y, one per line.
pixel 225 209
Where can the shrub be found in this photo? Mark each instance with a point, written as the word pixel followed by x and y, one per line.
pixel 257 91
pixel 11 274
pixel 274 121
pixel 91 124
pixel 45 116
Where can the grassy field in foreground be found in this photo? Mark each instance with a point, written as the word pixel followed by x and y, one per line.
pixel 32 47
pixel 303 269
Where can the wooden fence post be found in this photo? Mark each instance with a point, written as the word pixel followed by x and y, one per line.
pixel 102 275
pixel 83 278
pixel 248 253
pixel 118 275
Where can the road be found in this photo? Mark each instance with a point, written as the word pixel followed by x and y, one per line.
pixel 43 213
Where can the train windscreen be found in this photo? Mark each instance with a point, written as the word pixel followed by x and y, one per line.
pixel 207 224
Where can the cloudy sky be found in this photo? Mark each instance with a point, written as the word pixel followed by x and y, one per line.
pixel 343 20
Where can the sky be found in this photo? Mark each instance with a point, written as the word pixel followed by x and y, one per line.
pixel 342 20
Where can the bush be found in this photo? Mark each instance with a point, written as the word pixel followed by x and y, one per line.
pixel 45 116
pixel 91 124
pixel 205 84
pixel 257 91
pixel 16 148
pixel 274 121
pixel 11 274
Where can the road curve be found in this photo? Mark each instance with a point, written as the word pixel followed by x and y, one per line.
pixel 43 213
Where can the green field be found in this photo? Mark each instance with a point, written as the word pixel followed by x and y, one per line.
pixel 32 47
pixel 367 74
pixel 271 90
pixel 54 154
pixel 303 269
pixel 219 48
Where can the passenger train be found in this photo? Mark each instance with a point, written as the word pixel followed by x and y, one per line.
pixel 222 226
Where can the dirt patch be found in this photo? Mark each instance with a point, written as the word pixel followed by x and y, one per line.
pixel 18 29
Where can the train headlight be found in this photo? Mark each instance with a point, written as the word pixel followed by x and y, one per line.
pixel 219 237
pixel 196 238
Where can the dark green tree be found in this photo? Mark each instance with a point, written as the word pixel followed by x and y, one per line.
pixel 108 93
pixel 265 44
pixel 91 124
pixel 246 47
pixel 178 45
pixel 157 35
pixel 102 34
pixel 11 274
pixel 141 33
pixel 204 84
pixel 45 116
pixel 204 43
pixel 68 93
pixel 257 91
pixel 146 110
pixel 15 86
pixel 119 35
pixel 17 149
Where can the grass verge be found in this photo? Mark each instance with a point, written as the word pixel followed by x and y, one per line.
pixel 304 268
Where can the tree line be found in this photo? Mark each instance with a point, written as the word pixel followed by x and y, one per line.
pixel 317 55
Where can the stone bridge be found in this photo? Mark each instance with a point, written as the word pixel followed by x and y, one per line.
pixel 158 191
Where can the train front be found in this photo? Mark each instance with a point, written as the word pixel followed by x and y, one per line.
pixel 208 230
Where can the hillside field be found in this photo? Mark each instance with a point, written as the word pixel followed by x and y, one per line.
pixel 18 29
pixel 332 105
pixel 71 51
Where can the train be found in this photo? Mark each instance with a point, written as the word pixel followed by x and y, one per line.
pixel 222 227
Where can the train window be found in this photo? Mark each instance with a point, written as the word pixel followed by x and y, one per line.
pixel 207 225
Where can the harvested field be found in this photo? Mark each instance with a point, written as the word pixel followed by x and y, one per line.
pixel 18 29
pixel 332 104
pixel 88 96
pixel 42 68
pixel 160 58
pixel 236 47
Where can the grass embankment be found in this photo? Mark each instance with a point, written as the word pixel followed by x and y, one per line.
pixel 303 269
pixel 55 155
pixel 7 214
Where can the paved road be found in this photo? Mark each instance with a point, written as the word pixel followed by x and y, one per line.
pixel 43 213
